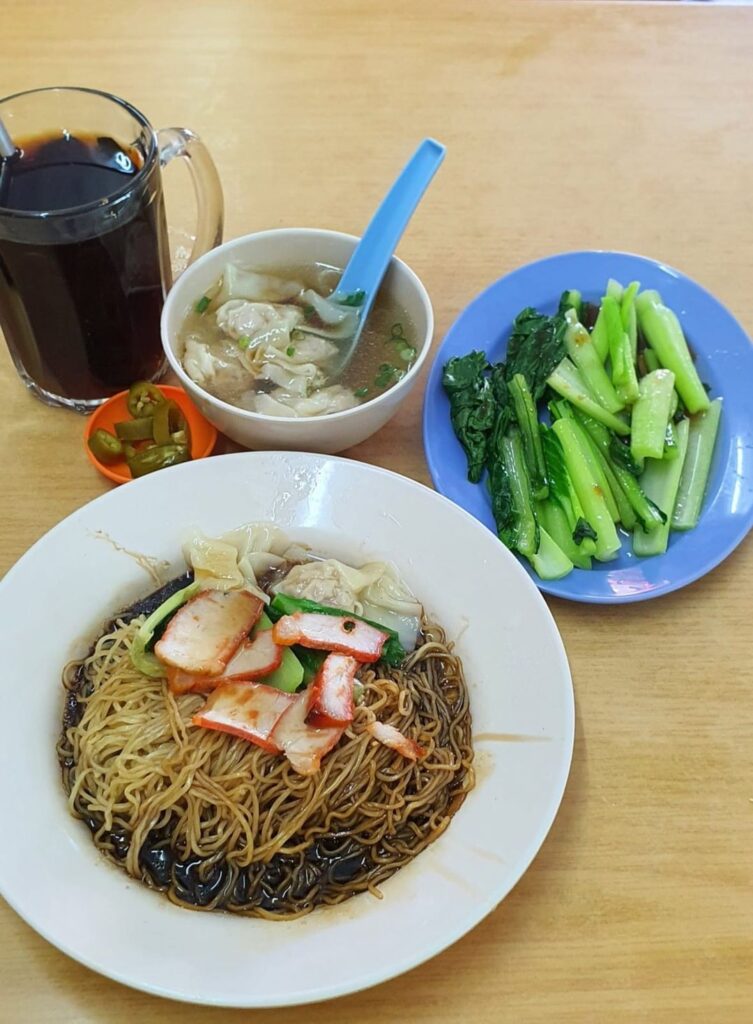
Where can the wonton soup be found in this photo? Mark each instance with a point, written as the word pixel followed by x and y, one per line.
pixel 269 342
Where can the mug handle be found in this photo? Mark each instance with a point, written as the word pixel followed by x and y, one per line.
pixel 181 142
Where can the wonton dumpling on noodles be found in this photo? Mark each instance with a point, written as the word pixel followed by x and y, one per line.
pixel 237 558
pixel 376 590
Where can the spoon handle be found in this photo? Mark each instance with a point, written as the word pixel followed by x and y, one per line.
pixel 370 259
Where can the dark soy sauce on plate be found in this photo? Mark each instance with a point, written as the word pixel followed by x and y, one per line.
pixel 81 294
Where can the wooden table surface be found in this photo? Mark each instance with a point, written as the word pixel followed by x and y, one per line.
pixel 568 126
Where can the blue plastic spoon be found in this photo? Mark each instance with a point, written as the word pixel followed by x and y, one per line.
pixel 369 262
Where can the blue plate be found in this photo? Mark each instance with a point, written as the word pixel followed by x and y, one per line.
pixel 725 362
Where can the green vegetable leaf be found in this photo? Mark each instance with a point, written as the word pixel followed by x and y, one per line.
pixel 582 530
pixel 498 485
pixel 556 471
pixel 620 454
pixel 571 300
pixel 536 347
pixel 472 407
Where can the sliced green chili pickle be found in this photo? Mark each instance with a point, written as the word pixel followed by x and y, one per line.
pixel 105 447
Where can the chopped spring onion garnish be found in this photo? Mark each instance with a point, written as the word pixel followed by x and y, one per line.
pixel 405 350
pixel 290 351
pixel 244 341
pixel 387 375
pixel 202 304
pixel 354 299
pixel 361 392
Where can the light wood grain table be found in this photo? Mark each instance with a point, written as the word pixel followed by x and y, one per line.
pixel 568 125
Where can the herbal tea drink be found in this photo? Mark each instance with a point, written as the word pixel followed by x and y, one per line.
pixel 84 257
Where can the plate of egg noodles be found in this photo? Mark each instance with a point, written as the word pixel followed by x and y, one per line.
pixel 286 725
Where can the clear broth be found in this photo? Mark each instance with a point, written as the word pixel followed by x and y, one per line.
pixel 378 362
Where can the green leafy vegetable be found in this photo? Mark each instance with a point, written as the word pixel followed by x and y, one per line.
pixel 562 491
pixel 525 527
pixel 498 483
pixel 647 514
pixel 651 415
pixel 660 481
pixel 624 377
pixel 549 560
pixel 695 472
pixel 587 488
pixel 472 407
pixel 528 422
pixel 310 661
pixel 581 350
pixel 535 349
pixel 599 336
pixel 664 334
pixel 583 531
pixel 567 381
pixel 571 300
pixel 141 654
pixel 289 674
pixel 620 454
pixel 553 519
pixel 629 316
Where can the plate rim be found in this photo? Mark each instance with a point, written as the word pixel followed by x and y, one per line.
pixel 481 908
pixel 553 587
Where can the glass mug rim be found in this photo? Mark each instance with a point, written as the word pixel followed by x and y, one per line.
pixel 8 212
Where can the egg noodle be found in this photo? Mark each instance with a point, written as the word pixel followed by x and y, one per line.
pixel 218 823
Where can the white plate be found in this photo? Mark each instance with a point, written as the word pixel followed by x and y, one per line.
pixel 54 599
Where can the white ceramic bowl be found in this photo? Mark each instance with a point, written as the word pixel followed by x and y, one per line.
pixel 521 702
pixel 270 250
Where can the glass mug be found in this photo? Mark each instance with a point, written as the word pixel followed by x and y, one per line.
pixel 84 255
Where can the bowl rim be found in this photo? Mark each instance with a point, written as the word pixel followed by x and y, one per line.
pixel 258 417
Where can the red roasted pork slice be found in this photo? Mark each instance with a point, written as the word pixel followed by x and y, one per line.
pixel 331 633
pixel 331 692
pixel 255 658
pixel 179 682
pixel 248 710
pixel 392 737
pixel 303 745
pixel 205 633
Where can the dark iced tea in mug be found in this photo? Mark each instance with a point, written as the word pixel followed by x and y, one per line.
pixel 81 295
